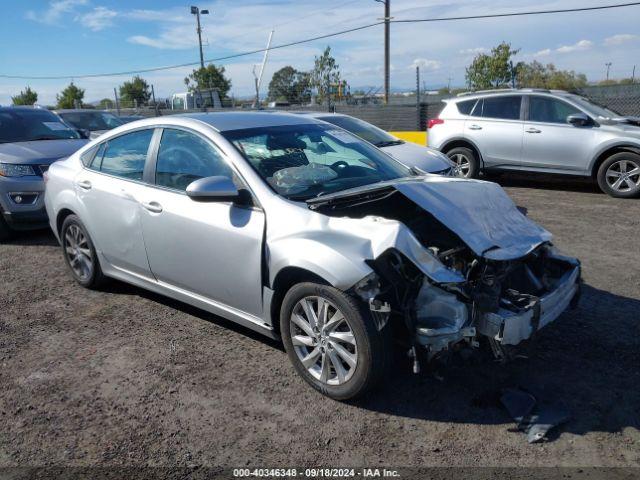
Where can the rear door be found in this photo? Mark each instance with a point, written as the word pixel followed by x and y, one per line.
pixel 212 249
pixel 550 142
pixel 495 126
pixel 110 188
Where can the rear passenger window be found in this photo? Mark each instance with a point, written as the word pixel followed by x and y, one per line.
pixel 87 157
pixel 184 157
pixel 502 107
pixel 466 106
pixel 124 156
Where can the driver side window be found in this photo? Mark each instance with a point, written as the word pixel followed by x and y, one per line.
pixel 184 157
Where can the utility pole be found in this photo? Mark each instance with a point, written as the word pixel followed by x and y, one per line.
pixel 115 94
pixel 633 75
pixel 608 64
pixel 387 24
pixel 197 12
pixel 418 96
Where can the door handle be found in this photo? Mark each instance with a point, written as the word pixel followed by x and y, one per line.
pixel 84 184
pixel 475 127
pixel 533 130
pixel 154 207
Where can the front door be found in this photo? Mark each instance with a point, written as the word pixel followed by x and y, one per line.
pixel 212 249
pixel 550 142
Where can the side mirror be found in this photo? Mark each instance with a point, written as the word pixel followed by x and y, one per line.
pixel 84 133
pixel 213 189
pixel 578 120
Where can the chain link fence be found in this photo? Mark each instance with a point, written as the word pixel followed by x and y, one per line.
pixel 403 114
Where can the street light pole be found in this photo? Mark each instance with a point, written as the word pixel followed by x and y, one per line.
pixel 197 12
pixel 608 64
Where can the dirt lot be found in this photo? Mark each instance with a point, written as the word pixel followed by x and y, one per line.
pixel 124 377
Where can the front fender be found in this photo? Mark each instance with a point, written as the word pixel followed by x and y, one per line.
pixel 619 142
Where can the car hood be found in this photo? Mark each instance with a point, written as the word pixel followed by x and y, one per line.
pixel 424 158
pixel 40 151
pixel 479 212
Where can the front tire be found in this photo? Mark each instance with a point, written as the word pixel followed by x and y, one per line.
pixel 619 175
pixel 467 164
pixel 80 254
pixel 332 341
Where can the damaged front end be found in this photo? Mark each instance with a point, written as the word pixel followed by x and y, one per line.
pixel 483 269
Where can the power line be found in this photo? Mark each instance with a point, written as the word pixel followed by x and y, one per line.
pixel 321 37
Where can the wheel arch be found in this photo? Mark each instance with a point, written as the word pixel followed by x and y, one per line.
pixel 282 283
pixel 462 142
pixel 609 151
pixel 60 218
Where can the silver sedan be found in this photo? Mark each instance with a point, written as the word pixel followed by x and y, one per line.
pixel 306 233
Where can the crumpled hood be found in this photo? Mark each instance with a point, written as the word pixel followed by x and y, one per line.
pixel 39 152
pixel 480 213
pixel 412 155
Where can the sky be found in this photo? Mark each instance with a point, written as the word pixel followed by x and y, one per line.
pixel 77 37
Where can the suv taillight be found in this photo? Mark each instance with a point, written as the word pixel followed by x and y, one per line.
pixel 433 122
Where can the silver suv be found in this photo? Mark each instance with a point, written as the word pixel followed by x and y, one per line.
pixel 548 131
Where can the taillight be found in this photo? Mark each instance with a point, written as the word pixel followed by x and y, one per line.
pixel 433 122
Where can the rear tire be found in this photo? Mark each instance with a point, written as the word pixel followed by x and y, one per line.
pixel 80 254
pixel 344 340
pixel 466 160
pixel 619 175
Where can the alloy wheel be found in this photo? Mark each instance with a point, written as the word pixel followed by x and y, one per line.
pixel 323 340
pixel 78 252
pixel 623 175
pixel 462 165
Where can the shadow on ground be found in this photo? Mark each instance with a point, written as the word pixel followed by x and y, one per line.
pixel 541 181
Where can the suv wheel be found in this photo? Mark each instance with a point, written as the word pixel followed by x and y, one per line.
pixel 80 254
pixel 619 175
pixel 466 162
pixel 332 342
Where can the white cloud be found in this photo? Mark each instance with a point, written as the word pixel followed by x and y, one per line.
pixel 473 51
pixel 56 10
pixel 543 53
pixel 581 45
pixel 620 39
pixel 97 19
pixel 425 64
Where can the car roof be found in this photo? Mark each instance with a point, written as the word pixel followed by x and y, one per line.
pixel 506 91
pixel 314 114
pixel 226 121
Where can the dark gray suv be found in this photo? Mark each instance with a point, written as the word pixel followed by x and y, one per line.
pixel 546 131
pixel 31 139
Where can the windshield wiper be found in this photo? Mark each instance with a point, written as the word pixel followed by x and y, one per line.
pixel 48 137
pixel 389 143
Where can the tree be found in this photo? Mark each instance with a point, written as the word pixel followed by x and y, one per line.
pixel 69 96
pixel 325 75
pixel 291 85
pixel 25 97
pixel 493 70
pixel 537 75
pixel 135 91
pixel 209 77
pixel 106 104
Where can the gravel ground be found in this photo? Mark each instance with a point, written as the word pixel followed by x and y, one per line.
pixel 123 377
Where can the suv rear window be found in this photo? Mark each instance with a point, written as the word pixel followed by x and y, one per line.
pixel 466 106
pixel 503 107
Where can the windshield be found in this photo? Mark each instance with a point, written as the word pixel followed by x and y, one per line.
pixel 305 161
pixel 29 124
pixel 593 108
pixel 364 130
pixel 92 121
